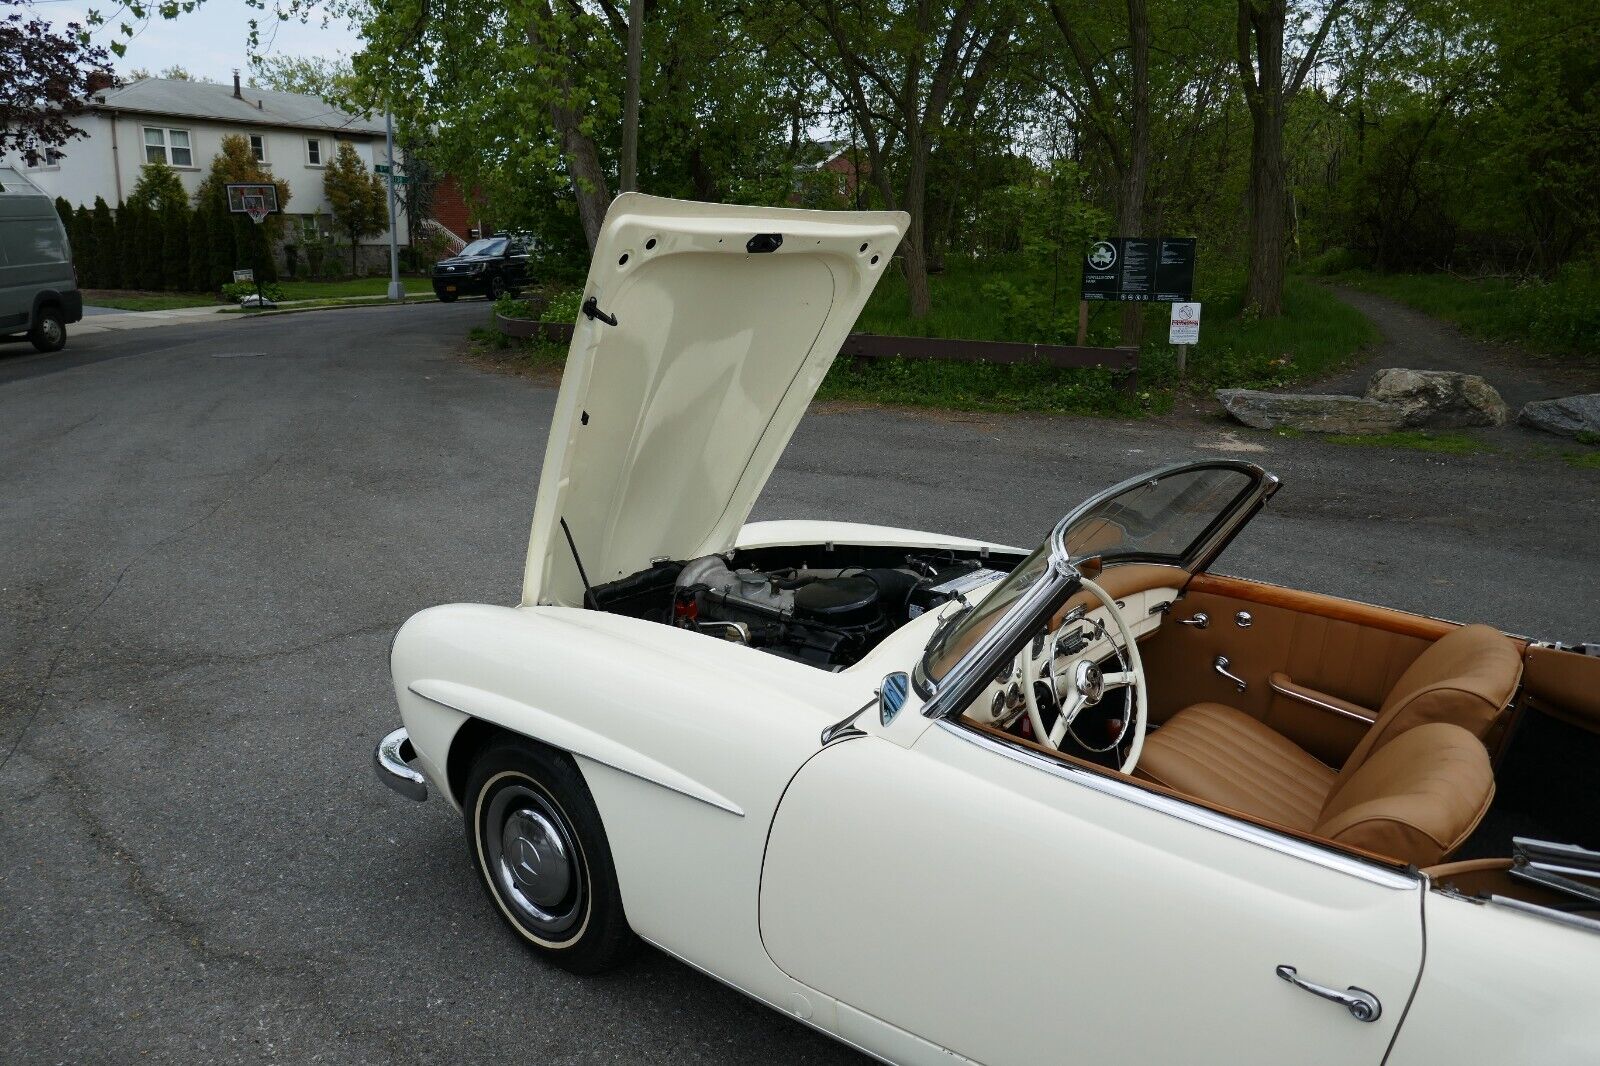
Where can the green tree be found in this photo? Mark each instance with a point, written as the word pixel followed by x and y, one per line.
pixel 175 246
pixel 236 241
pixel 223 229
pixel 64 212
pixel 199 272
pixel 107 251
pixel 81 234
pixel 130 245
pixel 331 79
pixel 158 188
pixel 359 201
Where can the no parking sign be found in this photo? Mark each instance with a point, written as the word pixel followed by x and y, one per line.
pixel 1184 327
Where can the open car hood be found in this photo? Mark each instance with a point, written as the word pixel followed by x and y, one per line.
pixel 670 421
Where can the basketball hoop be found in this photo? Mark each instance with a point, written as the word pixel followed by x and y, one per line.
pixel 257 201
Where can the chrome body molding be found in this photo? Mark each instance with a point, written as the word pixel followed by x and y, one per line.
pixel 1204 817
pixel 392 760
pixel 1314 702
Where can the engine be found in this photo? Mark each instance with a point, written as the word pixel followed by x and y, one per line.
pixel 826 617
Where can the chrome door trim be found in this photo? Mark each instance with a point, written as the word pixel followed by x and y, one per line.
pixel 1314 702
pixel 1204 817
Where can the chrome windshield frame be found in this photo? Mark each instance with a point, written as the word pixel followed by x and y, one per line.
pixel 951 694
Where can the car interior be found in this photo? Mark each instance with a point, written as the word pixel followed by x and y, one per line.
pixel 1448 748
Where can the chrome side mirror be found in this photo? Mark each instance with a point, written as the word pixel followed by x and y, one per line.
pixel 892 695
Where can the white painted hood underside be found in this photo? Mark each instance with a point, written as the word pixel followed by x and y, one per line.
pixel 669 423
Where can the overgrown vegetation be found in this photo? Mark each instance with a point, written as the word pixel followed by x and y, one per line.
pixel 1418 440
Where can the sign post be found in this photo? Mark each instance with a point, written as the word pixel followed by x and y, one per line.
pixel 396 290
pixel 1183 330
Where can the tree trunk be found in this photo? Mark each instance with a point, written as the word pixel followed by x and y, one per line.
pixel 585 171
pixel 1260 58
pixel 1268 203
pixel 914 249
pixel 1136 175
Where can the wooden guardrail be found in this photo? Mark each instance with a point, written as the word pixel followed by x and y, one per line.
pixel 873 346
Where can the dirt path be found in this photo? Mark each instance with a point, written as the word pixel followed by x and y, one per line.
pixel 1418 341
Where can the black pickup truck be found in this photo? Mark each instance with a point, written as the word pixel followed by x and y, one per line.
pixel 488 267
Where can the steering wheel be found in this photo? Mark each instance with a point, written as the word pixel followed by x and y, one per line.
pixel 1083 685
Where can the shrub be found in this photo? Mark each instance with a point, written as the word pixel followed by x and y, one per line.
pixel 563 307
pixel 236 291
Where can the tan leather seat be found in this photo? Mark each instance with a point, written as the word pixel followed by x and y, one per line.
pixel 1413 789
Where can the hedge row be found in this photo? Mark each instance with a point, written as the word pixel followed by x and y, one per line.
pixel 173 247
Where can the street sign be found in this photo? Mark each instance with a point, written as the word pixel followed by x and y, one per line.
pixel 380 168
pixel 399 179
pixel 1139 268
pixel 1184 327
pixel 243 277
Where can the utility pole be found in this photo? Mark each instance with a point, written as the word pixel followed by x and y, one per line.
pixel 396 290
pixel 630 106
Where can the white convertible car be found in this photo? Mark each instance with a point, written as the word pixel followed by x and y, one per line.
pixel 947 800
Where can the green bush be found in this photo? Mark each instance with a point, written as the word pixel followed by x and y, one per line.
pixel 235 291
pixel 1335 261
pixel 563 306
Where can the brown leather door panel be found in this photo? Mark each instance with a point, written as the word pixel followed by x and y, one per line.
pixel 1344 649
pixel 1564 683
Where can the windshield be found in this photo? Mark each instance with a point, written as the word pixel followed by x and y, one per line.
pixel 1163 518
pixel 486 246
pixel 956 637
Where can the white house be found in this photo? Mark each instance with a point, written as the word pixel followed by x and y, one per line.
pixel 182 123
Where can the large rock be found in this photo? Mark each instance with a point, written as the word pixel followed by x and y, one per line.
pixel 1439 397
pixel 1312 413
pixel 1568 416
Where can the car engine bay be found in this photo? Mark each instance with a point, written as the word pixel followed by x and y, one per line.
pixel 825 605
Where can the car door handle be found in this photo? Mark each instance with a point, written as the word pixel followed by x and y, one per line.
pixel 1220 665
pixel 1199 621
pixel 1362 1005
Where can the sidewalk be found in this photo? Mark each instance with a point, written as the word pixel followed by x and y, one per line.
pixel 104 321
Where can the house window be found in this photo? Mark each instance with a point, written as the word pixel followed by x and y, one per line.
pixel 313 152
pixel 43 158
pixel 167 146
pixel 308 227
pixel 258 147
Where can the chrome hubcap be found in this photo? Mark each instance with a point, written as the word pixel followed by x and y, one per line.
pixel 536 857
pixel 534 860
pixel 52 331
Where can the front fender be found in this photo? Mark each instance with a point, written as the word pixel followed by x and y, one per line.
pixel 686 743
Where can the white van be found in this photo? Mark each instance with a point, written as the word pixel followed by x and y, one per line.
pixel 38 285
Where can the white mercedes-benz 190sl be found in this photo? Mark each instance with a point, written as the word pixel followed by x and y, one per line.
pixel 947 800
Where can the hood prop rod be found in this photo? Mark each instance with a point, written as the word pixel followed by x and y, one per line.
pixel 591 309
pixel 592 601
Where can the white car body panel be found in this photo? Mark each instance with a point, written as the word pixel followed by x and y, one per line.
pixel 669 422
pixel 1502 985
pixel 1071 908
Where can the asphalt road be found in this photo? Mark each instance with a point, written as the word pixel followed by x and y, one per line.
pixel 209 533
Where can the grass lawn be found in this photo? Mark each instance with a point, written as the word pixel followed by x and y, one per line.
pixel 146 301
pixel 1419 440
pixel 1560 317
pixel 292 290
pixel 1317 335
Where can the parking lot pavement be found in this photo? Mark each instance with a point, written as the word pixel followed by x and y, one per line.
pixel 211 532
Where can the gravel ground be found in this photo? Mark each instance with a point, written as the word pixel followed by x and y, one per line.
pixel 211 531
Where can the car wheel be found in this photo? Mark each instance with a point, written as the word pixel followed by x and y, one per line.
pixel 446 297
pixel 542 855
pixel 49 332
pixel 497 287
